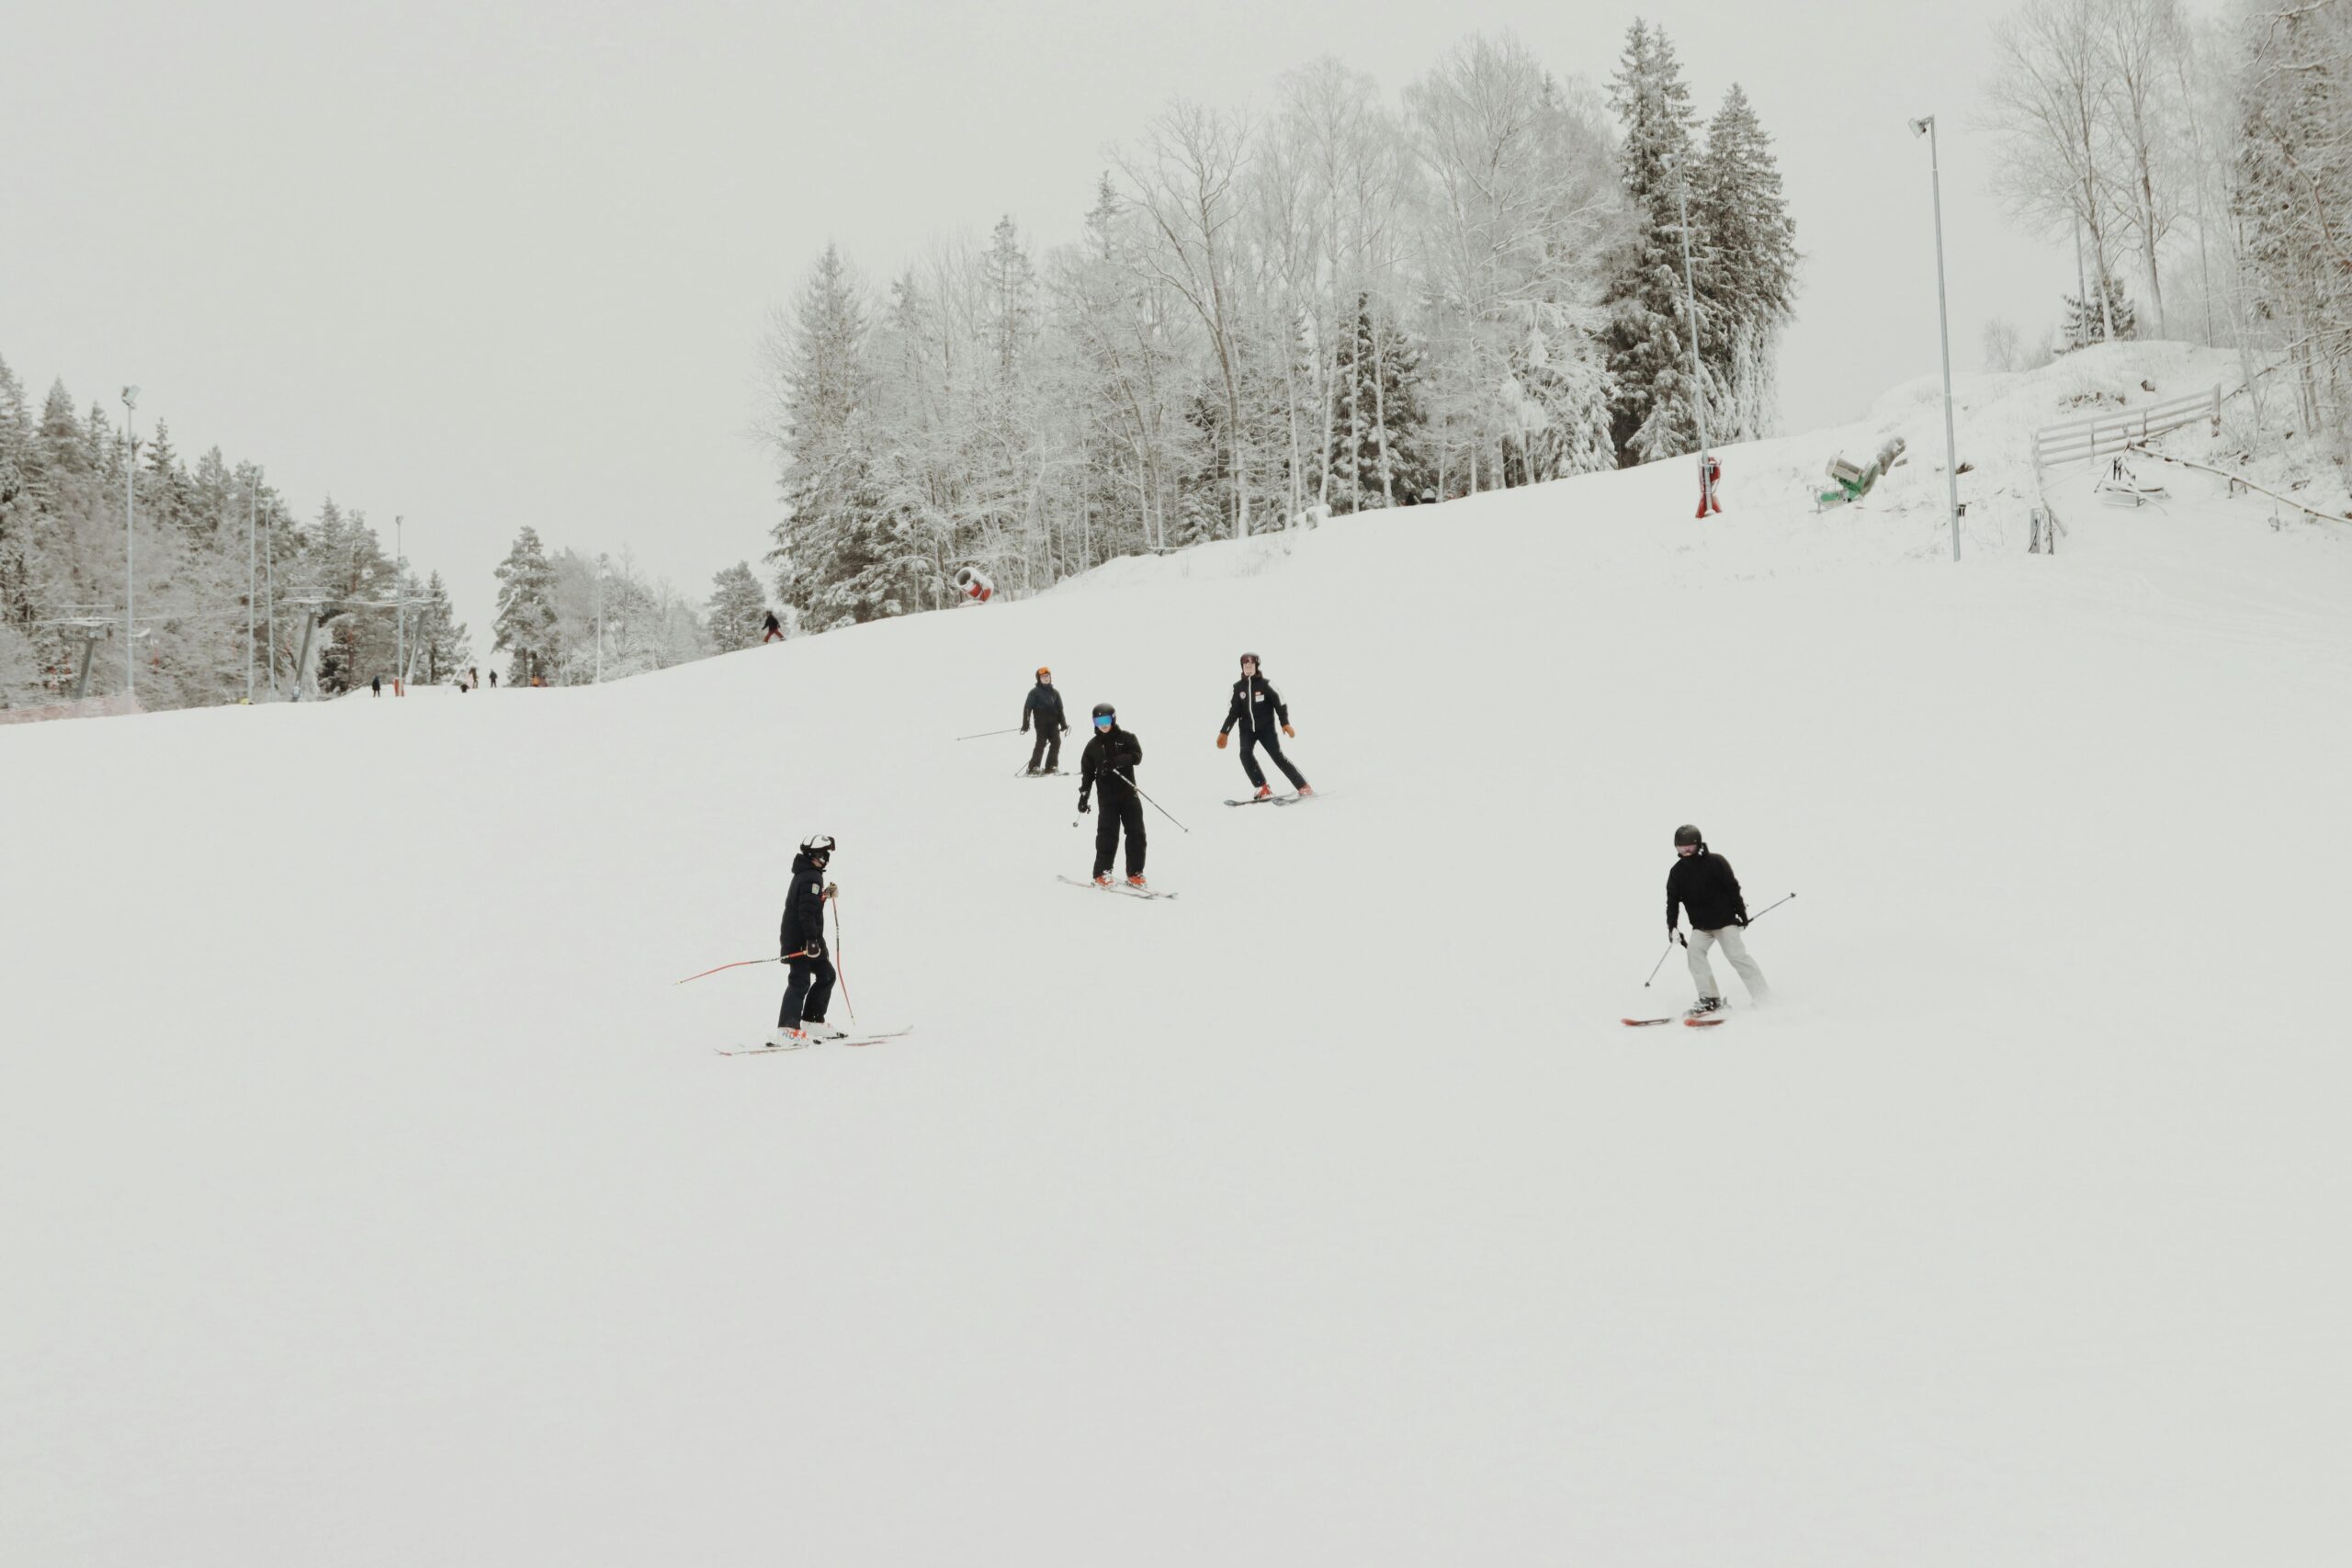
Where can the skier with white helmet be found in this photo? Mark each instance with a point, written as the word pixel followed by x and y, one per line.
pixel 802 943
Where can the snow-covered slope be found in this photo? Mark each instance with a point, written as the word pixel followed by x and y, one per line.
pixel 374 1197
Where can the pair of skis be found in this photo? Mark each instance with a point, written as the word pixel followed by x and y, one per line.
pixel 1709 1020
pixel 1291 800
pixel 1117 888
pixel 868 1038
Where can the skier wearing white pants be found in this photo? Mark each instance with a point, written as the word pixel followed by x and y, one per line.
pixel 1701 883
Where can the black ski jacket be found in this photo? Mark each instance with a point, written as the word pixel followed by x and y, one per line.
pixel 1704 885
pixel 1254 698
pixel 804 908
pixel 1046 704
pixel 1113 754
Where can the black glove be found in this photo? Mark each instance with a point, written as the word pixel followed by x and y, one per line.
pixel 1674 935
pixel 813 948
pixel 1082 808
pixel 1025 726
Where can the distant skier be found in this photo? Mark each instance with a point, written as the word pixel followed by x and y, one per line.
pixel 1109 762
pixel 1710 470
pixel 377 685
pixel 774 631
pixel 1260 710
pixel 1701 882
pixel 801 941
pixel 494 680
pixel 1045 705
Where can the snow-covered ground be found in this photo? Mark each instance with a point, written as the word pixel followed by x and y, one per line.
pixel 373 1197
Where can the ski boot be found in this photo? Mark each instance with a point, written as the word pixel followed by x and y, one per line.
pixel 1265 792
pixel 818 1029
pixel 1706 1007
pixel 1136 881
pixel 1102 879
pixel 788 1039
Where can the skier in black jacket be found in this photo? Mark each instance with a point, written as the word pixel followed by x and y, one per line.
pixel 1109 763
pixel 1260 710
pixel 801 941
pixel 1045 705
pixel 1701 882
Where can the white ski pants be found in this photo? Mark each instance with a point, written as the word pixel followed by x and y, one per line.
pixel 1735 947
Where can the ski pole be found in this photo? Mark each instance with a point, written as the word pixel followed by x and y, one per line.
pixel 986 733
pixel 1154 805
pixel 735 966
pixel 1659 964
pixel 1768 909
pixel 840 973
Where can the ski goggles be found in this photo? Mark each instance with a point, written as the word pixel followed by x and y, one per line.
pixel 1105 721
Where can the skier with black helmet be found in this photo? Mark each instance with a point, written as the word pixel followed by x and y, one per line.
pixel 1108 763
pixel 801 1021
pixel 1703 885
pixel 1045 705
pixel 1260 710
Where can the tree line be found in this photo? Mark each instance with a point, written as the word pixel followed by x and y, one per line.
pixel 1347 303
pixel 322 595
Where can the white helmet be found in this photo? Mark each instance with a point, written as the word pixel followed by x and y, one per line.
pixel 817 844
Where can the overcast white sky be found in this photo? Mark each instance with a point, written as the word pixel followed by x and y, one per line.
pixel 485 265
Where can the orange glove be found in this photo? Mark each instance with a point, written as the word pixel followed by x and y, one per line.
pixel 1221 738
pixel 1289 731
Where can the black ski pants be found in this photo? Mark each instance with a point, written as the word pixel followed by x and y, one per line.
pixel 805 997
pixel 1116 814
pixel 1049 747
pixel 1273 745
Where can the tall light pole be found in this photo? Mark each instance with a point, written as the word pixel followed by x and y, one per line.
pixel 252 557
pixel 1698 375
pixel 1927 128
pixel 269 569
pixel 130 543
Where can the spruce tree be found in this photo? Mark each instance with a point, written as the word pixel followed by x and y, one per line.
pixel 739 607
pixel 1379 368
pixel 1748 286
pixel 2085 323
pixel 526 624
pixel 1650 331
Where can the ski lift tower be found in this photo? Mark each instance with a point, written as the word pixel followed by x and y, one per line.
pixel 96 627
pixel 313 604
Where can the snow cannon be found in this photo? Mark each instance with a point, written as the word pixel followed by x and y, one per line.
pixel 972 584
pixel 1849 484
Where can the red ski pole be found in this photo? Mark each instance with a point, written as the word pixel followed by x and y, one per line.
pixel 738 965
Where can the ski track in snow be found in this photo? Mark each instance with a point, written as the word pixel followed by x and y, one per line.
pixel 374 1197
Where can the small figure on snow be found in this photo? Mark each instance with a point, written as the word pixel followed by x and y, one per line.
pixel 1045 705
pixel 802 942
pixel 1701 882
pixel 773 632
pixel 1710 470
pixel 1260 710
pixel 1109 763
pixel 494 680
pixel 974 584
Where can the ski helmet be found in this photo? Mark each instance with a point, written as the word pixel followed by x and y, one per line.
pixel 1687 834
pixel 817 844
pixel 1105 710
pixel 1042 671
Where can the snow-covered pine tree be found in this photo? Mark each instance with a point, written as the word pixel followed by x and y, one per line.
pixel 739 607
pixel 841 557
pixel 1379 368
pixel 2085 323
pixel 526 624
pixel 1649 333
pixel 1749 286
pixel 445 646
